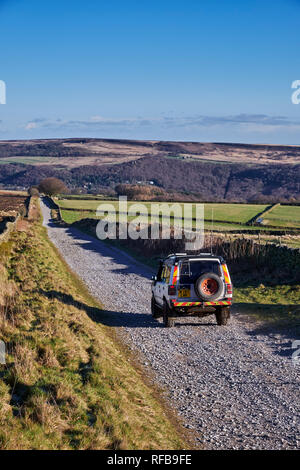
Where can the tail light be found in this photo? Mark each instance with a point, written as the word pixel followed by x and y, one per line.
pixel 172 290
pixel 228 289
pixel 228 285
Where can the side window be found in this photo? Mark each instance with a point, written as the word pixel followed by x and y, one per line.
pixel 185 272
pixel 163 274
pixel 159 272
pixel 166 272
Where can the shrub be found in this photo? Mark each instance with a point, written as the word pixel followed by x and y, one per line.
pixel 52 186
pixel 33 191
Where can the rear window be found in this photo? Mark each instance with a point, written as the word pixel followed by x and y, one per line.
pixel 191 270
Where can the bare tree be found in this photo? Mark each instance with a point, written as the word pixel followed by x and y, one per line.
pixel 52 186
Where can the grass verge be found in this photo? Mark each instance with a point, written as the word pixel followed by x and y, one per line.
pixel 67 383
pixel 272 304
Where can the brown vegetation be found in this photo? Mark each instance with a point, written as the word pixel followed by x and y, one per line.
pixel 52 186
pixel 11 203
pixel 209 172
pixel 109 150
pixel 33 191
pixel 204 181
pixel 67 383
pixel 142 192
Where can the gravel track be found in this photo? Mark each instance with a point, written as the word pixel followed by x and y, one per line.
pixel 235 385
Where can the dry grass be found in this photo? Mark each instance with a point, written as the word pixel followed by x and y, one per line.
pixel 5 192
pixel 67 383
pixel 110 151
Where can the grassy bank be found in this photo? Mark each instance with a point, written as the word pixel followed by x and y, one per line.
pixel 67 384
pixel 278 305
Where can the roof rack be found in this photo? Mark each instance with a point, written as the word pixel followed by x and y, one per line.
pixel 176 254
pixel 180 256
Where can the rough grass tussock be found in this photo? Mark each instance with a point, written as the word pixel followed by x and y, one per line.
pixel 67 383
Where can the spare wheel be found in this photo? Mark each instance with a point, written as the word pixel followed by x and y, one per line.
pixel 209 286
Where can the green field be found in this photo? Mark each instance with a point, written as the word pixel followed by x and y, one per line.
pixel 25 160
pixel 233 217
pixel 238 213
pixel 73 216
pixel 283 216
pixel 233 212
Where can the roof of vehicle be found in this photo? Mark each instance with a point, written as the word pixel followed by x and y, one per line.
pixel 185 257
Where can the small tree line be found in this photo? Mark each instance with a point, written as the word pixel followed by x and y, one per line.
pixel 49 187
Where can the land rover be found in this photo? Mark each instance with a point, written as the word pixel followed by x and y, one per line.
pixel 197 285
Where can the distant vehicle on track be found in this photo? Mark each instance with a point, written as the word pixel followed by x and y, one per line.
pixel 196 285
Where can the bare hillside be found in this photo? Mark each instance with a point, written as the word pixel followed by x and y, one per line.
pixel 208 171
pixel 72 153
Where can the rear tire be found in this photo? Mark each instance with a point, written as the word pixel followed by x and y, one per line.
pixel 167 312
pixel 222 315
pixel 156 312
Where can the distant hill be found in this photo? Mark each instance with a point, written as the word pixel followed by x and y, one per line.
pixel 232 172
pixel 82 151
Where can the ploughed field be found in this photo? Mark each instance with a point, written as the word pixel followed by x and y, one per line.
pixel 10 202
pixel 10 205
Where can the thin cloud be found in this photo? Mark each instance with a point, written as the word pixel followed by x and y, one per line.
pixel 207 121
pixel 263 122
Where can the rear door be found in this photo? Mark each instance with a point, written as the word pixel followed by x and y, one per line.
pixel 191 270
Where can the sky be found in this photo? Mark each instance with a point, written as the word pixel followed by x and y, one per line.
pixel 205 70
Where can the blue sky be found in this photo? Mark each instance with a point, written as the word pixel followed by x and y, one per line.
pixel 210 70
